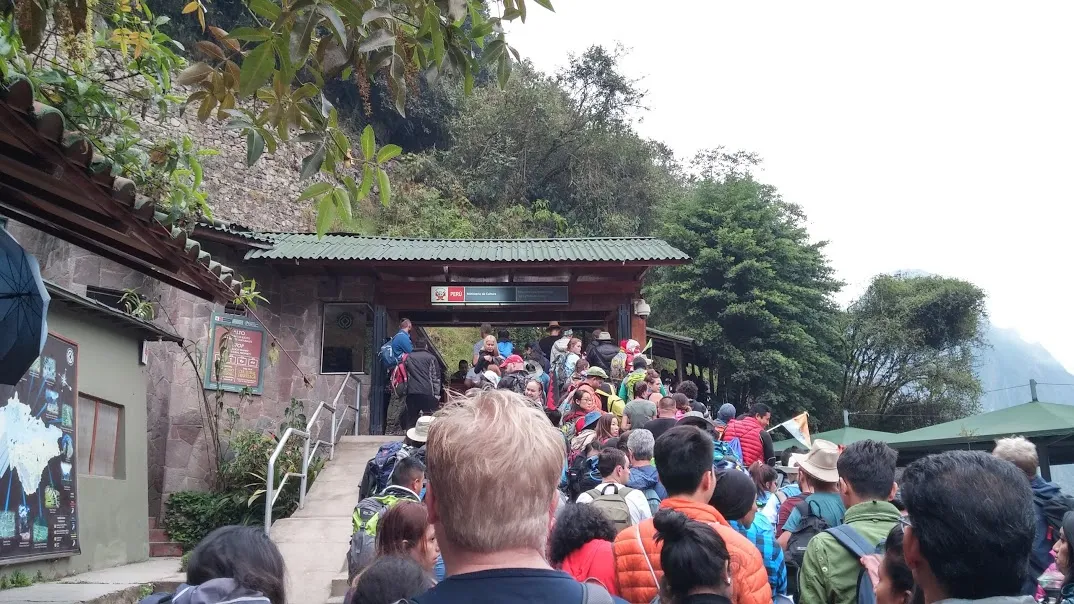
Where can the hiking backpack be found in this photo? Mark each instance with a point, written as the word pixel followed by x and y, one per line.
pixel 363 547
pixel 379 470
pixel 613 505
pixel 619 367
pixel 1053 509
pixel 859 548
pixel 725 457
pixel 809 525
pixel 387 355
pixel 581 477
pixel 653 498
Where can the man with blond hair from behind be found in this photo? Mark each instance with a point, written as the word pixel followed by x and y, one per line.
pixel 493 464
pixel 1049 504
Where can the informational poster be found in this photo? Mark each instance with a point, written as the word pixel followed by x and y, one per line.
pixel 486 295
pixel 38 487
pixel 238 344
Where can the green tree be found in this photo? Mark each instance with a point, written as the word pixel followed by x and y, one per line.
pixel 907 351
pixel 567 140
pixel 283 59
pixel 757 295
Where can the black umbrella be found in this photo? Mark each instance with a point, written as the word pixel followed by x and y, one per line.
pixel 23 310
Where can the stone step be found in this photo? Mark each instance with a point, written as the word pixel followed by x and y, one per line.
pixel 157 535
pixel 152 522
pixel 167 549
pixel 340 585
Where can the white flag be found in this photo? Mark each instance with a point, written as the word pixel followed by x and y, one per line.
pixel 798 426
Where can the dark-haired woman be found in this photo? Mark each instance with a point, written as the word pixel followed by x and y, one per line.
pixel 231 564
pixel 694 560
pixel 1063 557
pixel 388 580
pixel 404 530
pixel 895 583
pixel 764 478
pixel 581 545
pixel 607 428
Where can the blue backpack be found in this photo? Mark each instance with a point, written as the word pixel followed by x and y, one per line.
pixel 727 455
pixel 653 499
pixel 387 355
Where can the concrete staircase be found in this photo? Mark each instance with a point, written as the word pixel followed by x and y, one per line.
pixel 314 540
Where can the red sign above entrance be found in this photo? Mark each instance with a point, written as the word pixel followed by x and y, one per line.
pixel 474 295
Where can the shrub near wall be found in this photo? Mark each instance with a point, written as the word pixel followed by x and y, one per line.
pixel 240 496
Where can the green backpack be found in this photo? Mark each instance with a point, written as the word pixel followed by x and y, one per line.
pixel 613 504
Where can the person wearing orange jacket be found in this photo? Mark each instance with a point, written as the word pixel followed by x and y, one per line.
pixel 684 462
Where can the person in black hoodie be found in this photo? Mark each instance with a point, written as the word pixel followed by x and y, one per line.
pixel 602 354
pixel 231 564
pixel 424 381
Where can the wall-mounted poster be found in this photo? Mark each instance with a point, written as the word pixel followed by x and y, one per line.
pixel 239 344
pixel 39 517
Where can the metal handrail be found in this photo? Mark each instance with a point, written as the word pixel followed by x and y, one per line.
pixel 271 493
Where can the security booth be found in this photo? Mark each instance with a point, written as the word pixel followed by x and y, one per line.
pixel 454 282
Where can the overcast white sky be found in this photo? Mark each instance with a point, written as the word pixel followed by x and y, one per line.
pixel 916 135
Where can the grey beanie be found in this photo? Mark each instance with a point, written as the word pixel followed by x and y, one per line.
pixel 726 413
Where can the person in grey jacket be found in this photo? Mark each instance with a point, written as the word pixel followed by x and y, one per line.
pixel 231 564
pixel 424 383
pixel 969 528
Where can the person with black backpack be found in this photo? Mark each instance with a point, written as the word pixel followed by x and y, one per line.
pixel 833 570
pixel 1049 504
pixel 821 509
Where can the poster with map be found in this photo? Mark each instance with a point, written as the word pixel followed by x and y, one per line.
pixel 38 518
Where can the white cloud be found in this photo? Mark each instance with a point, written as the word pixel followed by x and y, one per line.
pixel 916 135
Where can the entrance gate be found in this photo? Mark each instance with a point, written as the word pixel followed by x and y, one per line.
pixel 516 282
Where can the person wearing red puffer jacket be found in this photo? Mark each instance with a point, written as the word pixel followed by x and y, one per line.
pixel 581 545
pixel 750 431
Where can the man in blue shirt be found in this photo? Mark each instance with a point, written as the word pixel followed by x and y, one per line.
pixel 401 342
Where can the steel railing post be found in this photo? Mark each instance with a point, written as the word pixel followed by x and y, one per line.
pixel 305 473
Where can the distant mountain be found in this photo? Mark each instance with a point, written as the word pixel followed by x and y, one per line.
pixel 1008 361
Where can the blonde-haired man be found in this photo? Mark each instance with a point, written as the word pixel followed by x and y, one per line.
pixel 493 465
pixel 1048 501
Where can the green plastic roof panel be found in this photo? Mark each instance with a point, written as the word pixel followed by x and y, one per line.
pixel 1029 419
pixel 841 436
pixel 303 246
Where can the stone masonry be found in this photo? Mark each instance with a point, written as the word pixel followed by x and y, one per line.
pixel 178 447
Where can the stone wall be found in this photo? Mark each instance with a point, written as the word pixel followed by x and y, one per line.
pixel 178 449
pixel 261 197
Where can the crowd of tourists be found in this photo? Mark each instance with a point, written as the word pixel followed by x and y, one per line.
pixel 502 497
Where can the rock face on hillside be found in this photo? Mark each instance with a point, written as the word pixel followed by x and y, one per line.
pixel 1011 361
pixel 261 197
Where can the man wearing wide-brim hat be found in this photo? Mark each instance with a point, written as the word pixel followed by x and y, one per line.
pixel 818 478
pixel 603 352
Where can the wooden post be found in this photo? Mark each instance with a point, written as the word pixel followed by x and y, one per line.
pixel 679 363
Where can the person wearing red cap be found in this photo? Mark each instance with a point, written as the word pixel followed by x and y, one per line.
pixel 513 370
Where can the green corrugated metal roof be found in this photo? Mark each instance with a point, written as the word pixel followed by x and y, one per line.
pixel 304 246
pixel 1028 419
pixel 841 436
